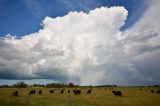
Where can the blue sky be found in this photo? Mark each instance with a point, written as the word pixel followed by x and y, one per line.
pixel 22 17
pixel 87 42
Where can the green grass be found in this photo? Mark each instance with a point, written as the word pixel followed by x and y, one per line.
pixel 99 97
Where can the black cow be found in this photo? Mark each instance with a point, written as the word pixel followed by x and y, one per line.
pixel 62 91
pixel 140 89
pixel 32 92
pixel 40 92
pixel 152 91
pixel 74 90
pixel 51 91
pixel 89 91
pixel 158 91
pixel 15 93
pixel 68 91
pixel 117 93
pixel 77 92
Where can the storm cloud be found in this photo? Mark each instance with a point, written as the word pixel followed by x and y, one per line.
pixel 86 48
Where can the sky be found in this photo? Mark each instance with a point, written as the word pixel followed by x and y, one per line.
pixel 87 42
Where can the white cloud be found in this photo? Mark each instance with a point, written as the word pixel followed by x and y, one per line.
pixel 84 49
pixel 142 43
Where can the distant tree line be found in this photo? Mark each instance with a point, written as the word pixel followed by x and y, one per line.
pixel 59 85
pixel 17 85
pixel 49 85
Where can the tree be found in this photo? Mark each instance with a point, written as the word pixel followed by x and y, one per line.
pixel 71 84
pixel 20 85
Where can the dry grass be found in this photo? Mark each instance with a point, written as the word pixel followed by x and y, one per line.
pixel 99 97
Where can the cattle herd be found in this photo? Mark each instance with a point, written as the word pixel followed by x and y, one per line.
pixel 76 92
pixel 33 92
pixel 157 91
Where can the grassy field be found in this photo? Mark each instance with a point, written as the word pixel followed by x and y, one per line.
pixel 99 97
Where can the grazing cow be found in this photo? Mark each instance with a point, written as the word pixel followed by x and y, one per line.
pixel 68 91
pixel 15 93
pixel 40 92
pixel 152 91
pixel 77 92
pixel 51 91
pixel 74 90
pixel 32 92
pixel 89 91
pixel 117 93
pixel 140 89
pixel 62 91
pixel 158 91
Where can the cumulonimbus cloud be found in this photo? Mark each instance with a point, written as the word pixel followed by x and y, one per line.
pixel 84 48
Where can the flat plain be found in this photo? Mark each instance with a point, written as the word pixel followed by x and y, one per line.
pixel 131 96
